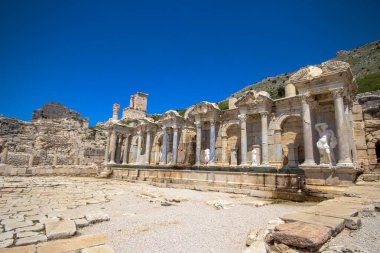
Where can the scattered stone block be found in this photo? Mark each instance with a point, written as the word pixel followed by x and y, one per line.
pixel 36 227
pixel 80 223
pixel 60 229
pixel 253 236
pixel 256 247
pixel 97 217
pixel 302 235
pixel 19 224
pixel 72 244
pixel 98 249
pixel 6 243
pixel 6 236
pixel 12 220
pixel 31 240
pixel 26 234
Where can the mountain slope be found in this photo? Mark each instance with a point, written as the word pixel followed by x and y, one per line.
pixel 365 65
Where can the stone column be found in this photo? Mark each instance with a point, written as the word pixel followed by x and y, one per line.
pixel 4 157
pixel 224 149
pixel 147 147
pixel 106 154
pixel 243 139
pixel 125 151
pixel 264 138
pixel 31 160
pixel 164 146
pixel 307 131
pixel 341 123
pixel 138 152
pixel 113 141
pixel 76 161
pixel 198 124
pixel 212 142
pixel 175 145
pixel 115 110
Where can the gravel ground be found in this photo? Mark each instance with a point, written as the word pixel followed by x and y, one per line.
pixel 366 239
pixel 138 225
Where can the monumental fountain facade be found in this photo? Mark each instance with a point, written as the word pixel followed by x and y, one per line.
pixel 310 132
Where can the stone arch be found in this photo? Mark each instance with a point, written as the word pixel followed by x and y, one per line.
pixel 276 125
pixel 291 140
pixel 233 139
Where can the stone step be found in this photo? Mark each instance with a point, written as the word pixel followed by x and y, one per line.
pixel 335 224
pixel 373 177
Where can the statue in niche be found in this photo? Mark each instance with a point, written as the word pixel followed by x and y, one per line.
pixel 254 157
pixel 206 156
pixel 326 144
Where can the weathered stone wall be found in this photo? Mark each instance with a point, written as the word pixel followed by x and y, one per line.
pixel 132 114
pixel 54 110
pixel 62 141
pixel 366 121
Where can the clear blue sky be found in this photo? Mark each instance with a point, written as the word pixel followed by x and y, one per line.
pixel 88 55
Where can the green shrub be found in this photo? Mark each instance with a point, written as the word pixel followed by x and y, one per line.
pixel 369 83
pixel 223 105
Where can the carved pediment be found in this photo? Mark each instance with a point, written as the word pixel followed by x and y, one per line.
pixel 306 73
pixel 253 98
pixel 171 114
pixel 202 108
pixel 333 66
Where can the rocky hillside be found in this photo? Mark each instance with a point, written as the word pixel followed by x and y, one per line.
pixel 365 65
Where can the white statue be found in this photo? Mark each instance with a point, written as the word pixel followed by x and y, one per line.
pixel 254 157
pixel 326 143
pixel 207 155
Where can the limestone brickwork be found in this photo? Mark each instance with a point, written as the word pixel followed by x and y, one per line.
pixel 56 138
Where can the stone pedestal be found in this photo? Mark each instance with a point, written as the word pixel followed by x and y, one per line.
pixel 292 155
pixel 31 160
pixel 233 157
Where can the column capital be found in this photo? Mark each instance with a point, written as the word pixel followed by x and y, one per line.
pixel 242 117
pixel 337 93
pixel 175 127
pixel 198 123
pixel 306 98
pixel 264 114
pixel 212 122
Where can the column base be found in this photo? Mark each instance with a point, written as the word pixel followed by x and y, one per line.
pixel 308 163
pixel 345 164
pixel 111 162
pixel 124 164
pixel 162 163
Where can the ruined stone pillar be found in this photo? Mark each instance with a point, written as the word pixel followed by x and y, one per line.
pixel 138 153
pixel 4 157
pixel 147 147
pixel 125 151
pixel 31 160
pixel 164 146
pixel 106 154
pixel 175 144
pixel 212 142
pixel 198 124
pixel 243 139
pixel 115 109
pixel 76 161
pixel 307 131
pixel 113 141
pixel 264 138
pixel 341 124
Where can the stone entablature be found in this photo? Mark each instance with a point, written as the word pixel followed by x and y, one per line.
pixel 259 131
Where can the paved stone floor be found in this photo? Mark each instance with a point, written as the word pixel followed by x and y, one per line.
pixel 142 218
